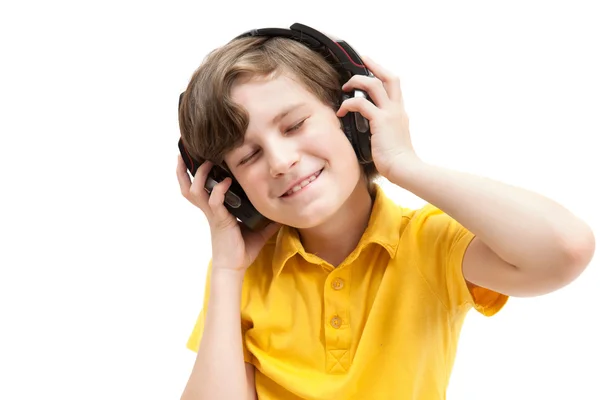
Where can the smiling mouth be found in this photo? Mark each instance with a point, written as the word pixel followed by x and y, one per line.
pixel 303 184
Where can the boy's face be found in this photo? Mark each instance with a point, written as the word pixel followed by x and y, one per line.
pixel 293 141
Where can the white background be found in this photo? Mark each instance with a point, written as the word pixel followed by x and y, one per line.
pixel 103 261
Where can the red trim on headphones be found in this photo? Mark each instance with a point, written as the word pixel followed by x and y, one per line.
pixel 348 55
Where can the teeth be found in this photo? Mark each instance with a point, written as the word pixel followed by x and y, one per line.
pixel 303 183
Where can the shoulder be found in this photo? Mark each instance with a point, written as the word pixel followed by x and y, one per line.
pixel 387 212
pixel 438 237
pixel 433 224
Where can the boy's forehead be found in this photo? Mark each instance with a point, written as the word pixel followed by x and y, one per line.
pixel 271 97
pixel 274 81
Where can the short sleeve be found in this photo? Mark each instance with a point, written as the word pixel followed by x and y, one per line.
pixel 449 241
pixel 486 301
pixel 193 342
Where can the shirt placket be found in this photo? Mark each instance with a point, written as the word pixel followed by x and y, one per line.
pixel 336 321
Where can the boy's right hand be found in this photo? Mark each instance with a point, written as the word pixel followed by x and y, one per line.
pixel 234 246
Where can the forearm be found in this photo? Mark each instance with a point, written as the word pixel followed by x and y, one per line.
pixel 219 371
pixel 525 229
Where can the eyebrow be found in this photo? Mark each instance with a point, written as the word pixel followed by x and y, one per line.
pixel 287 110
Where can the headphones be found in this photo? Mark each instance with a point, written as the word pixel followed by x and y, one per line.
pixel 347 63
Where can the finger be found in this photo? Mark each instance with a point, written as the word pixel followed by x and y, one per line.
pixel 390 81
pixel 361 105
pixel 197 188
pixel 373 86
pixel 217 198
pixel 182 177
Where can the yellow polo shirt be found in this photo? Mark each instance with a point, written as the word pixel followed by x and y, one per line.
pixel 383 325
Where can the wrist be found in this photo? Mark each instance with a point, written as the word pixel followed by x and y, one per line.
pixel 226 275
pixel 406 170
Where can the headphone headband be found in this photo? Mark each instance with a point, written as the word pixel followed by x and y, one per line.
pixel 345 57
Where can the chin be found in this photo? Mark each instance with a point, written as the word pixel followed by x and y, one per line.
pixel 309 217
pixel 318 213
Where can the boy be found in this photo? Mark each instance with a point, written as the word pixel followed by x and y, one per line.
pixel 346 295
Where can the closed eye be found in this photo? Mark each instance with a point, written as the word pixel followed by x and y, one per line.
pixel 293 128
pixel 247 158
pixel 297 126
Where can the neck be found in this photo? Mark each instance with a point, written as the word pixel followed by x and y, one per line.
pixel 335 239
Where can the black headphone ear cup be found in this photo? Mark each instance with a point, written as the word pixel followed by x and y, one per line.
pixel 361 141
pixel 346 121
pixel 190 163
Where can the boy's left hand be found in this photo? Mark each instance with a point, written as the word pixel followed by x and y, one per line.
pixel 391 145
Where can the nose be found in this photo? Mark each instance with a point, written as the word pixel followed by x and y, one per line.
pixel 282 156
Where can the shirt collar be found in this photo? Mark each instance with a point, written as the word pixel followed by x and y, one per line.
pixel 384 229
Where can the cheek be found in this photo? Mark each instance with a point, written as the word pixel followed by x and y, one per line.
pixel 331 138
pixel 340 148
pixel 255 188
